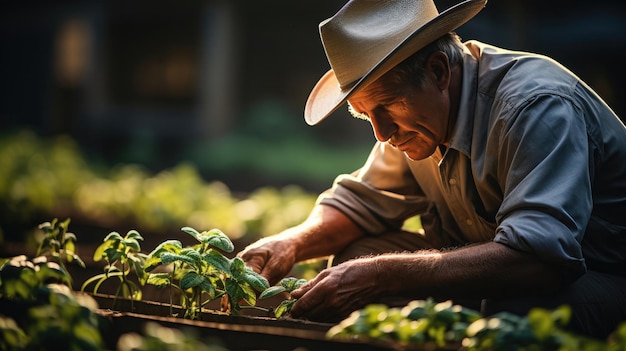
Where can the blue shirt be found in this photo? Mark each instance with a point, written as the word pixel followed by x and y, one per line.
pixel 537 162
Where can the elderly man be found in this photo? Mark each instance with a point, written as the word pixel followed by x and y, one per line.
pixel 516 167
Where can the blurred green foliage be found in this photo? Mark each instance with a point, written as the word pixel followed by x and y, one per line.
pixel 52 178
pixel 443 325
pixel 39 310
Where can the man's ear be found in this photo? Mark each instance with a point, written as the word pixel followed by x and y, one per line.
pixel 439 65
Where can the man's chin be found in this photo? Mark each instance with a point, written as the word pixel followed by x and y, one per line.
pixel 417 156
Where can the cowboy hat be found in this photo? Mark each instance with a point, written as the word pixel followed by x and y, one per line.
pixel 367 38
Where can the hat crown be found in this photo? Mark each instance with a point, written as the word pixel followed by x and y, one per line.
pixel 363 32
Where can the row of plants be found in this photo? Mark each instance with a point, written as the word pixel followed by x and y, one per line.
pixel 434 325
pixel 200 273
pixel 52 178
pixel 40 308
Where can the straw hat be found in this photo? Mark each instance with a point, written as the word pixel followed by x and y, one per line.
pixel 367 38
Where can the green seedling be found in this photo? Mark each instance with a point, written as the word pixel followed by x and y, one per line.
pixel 58 243
pixel 203 273
pixel 428 324
pixel 49 313
pixel 242 284
pixel 20 278
pixel 122 255
pixel 286 285
pixel 420 322
pixel 161 279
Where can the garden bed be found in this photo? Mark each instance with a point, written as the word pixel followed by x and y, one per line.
pixel 243 332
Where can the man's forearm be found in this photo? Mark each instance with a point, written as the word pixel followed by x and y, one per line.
pixel 325 232
pixel 477 271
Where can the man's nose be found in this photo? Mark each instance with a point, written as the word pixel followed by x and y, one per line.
pixel 383 128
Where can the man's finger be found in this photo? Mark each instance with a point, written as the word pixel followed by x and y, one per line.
pixel 256 263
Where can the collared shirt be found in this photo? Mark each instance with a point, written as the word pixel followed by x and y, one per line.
pixel 537 162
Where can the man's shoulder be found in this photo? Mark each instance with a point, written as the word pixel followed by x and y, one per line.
pixel 515 76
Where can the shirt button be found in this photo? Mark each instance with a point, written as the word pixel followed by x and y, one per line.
pixel 452 181
pixel 469 222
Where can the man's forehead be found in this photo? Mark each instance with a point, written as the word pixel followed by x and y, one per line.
pixel 379 91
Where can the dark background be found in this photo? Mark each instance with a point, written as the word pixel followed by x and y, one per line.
pixel 222 84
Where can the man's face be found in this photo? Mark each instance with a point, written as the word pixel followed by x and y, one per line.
pixel 412 120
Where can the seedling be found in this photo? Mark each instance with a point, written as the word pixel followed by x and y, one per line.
pixel 52 316
pixel 122 254
pixel 420 322
pixel 162 279
pixel 58 243
pixel 287 285
pixel 204 270
pixel 21 278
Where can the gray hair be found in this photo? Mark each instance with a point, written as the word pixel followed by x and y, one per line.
pixel 413 69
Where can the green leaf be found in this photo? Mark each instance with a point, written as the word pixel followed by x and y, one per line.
pixel 237 267
pixel 272 291
pixel 290 283
pixel 78 260
pixel 12 335
pixel 541 321
pixel 132 243
pixel 67 237
pixel 283 308
pixel 190 280
pixel 112 254
pixel 217 260
pixel 51 271
pixel 137 263
pixel 257 281
pixel 154 258
pixel 191 232
pixel 168 257
pixel 192 253
pixel 113 236
pixel 133 234
pixel 159 279
pixel 209 288
pixel 100 250
pixel 217 238
pixel 248 294
pixel 69 248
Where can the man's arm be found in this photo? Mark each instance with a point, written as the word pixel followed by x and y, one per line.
pixel 326 231
pixel 477 271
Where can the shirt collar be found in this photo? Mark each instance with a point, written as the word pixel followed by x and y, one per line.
pixel 461 139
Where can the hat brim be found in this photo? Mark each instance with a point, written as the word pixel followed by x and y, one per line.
pixel 327 95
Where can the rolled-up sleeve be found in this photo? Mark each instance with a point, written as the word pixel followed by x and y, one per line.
pixel 380 195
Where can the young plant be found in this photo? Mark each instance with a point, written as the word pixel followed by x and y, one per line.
pixel 21 278
pixel 287 285
pixel 47 313
pixel 204 270
pixel 161 279
pixel 122 255
pixel 58 243
pixel 421 322
pixel 242 284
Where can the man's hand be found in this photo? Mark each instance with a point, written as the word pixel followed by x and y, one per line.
pixel 272 257
pixel 337 291
pixel 325 232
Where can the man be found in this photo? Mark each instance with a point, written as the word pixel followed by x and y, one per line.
pixel 516 167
